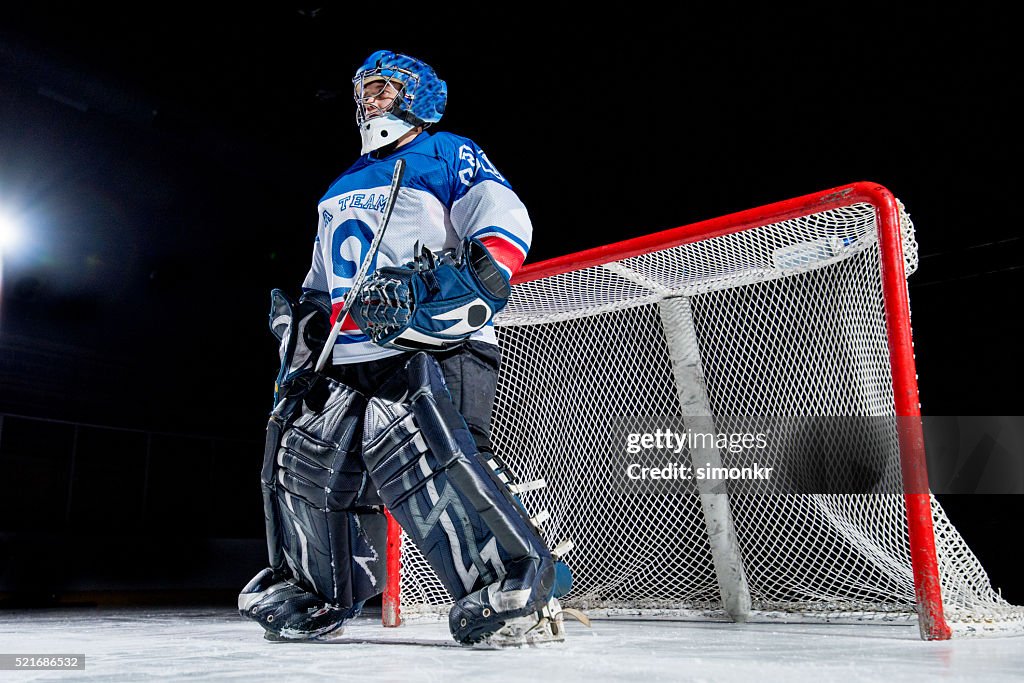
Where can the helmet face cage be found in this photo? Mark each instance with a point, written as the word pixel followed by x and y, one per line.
pixel 363 92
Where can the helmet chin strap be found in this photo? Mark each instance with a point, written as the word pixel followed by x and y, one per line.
pixel 383 130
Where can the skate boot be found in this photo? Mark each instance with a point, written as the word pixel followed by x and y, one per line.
pixel 287 611
pixel 525 590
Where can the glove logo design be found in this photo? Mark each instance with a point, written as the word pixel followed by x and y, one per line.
pixel 468 318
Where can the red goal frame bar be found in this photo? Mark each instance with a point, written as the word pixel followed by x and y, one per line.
pixel 907 404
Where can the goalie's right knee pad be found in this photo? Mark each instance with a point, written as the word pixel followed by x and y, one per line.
pixel 325 522
pixel 424 463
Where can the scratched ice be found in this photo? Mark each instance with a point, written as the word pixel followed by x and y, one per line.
pixel 214 644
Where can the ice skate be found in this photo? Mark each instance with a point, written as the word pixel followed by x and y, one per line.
pixel 523 593
pixel 288 612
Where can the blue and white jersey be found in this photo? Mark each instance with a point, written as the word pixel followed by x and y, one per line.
pixel 450 191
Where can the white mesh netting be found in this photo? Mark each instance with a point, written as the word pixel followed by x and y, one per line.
pixel 789 322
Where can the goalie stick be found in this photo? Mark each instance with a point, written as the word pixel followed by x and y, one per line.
pixel 357 283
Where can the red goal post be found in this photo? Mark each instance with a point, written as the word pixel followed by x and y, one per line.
pixel 756 239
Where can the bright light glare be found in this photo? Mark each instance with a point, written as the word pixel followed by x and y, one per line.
pixel 10 231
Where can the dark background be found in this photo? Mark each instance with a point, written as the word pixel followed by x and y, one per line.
pixel 167 163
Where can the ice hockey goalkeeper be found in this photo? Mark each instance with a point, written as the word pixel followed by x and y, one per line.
pixel 400 416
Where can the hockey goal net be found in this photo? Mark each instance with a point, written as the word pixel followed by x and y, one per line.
pixel 790 318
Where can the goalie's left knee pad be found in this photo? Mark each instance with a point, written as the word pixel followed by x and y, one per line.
pixel 424 463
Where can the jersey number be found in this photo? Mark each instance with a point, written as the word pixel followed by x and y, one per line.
pixel 476 162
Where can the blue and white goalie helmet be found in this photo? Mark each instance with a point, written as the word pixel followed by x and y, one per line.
pixel 419 97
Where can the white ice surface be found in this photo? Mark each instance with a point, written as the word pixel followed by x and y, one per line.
pixel 210 644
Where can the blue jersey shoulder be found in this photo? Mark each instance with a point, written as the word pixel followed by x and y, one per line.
pixel 469 163
pixel 368 171
pixel 448 144
pixel 465 165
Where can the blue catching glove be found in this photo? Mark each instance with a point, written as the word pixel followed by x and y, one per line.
pixel 434 302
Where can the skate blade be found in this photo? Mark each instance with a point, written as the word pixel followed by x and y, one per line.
pixel 575 614
pixel 290 636
pixel 540 629
pixel 540 635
